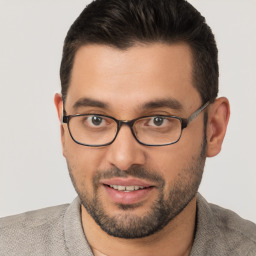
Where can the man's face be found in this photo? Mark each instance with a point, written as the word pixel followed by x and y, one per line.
pixel 143 80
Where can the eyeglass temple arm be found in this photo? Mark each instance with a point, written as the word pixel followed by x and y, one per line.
pixel 196 113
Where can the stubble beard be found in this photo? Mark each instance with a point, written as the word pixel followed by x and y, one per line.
pixel 128 225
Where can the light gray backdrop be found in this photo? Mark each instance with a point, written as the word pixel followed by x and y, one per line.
pixel 33 173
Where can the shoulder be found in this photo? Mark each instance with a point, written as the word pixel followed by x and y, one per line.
pixel 233 226
pixel 31 231
pixel 230 221
pixel 33 218
pixel 223 231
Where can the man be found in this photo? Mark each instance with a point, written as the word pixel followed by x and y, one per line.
pixel 139 115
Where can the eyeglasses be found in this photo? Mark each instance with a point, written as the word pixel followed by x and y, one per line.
pixel 96 130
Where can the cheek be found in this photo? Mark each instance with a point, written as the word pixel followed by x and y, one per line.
pixel 80 157
pixel 82 162
pixel 171 161
pixel 167 162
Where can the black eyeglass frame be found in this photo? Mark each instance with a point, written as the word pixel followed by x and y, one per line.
pixel 184 123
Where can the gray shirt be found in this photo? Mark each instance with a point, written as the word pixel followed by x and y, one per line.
pixel 58 231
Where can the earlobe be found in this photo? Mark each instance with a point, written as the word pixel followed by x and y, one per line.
pixel 218 117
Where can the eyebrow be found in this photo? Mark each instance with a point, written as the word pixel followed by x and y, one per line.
pixel 87 102
pixel 158 103
pixel 161 103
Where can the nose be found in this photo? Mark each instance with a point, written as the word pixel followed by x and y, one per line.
pixel 125 151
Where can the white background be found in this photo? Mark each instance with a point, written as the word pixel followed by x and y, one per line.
pixel 33 173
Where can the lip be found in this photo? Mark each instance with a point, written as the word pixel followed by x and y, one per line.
pixel 131 197
pixel 127 182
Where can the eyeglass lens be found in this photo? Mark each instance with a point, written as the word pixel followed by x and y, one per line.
pixel 100 130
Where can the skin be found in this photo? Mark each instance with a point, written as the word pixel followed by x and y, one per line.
pixel 125 80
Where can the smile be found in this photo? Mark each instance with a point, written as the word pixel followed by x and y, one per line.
pixel 126 188
pixel 126 191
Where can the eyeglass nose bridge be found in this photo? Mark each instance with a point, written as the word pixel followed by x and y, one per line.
pixel 129 123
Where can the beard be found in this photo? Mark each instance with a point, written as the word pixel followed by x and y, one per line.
pixel 163 209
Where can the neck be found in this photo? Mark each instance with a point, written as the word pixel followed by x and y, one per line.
pixel 175 239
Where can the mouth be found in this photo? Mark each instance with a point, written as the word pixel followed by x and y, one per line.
pixel 127 191
pixel 126 188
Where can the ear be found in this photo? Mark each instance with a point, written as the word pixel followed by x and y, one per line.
pixel 59 106
pixel 218 117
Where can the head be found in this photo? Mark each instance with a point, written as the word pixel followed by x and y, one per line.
pixel 133 58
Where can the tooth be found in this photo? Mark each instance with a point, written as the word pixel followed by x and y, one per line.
pixel 129 188
pixel 126 188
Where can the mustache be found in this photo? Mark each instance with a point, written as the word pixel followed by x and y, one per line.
pixel 134 171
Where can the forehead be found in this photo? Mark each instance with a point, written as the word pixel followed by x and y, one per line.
pixel 130 77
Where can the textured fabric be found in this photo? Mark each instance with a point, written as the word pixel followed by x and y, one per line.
pixel 221 232
pixel 58 231
pixel 51 231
